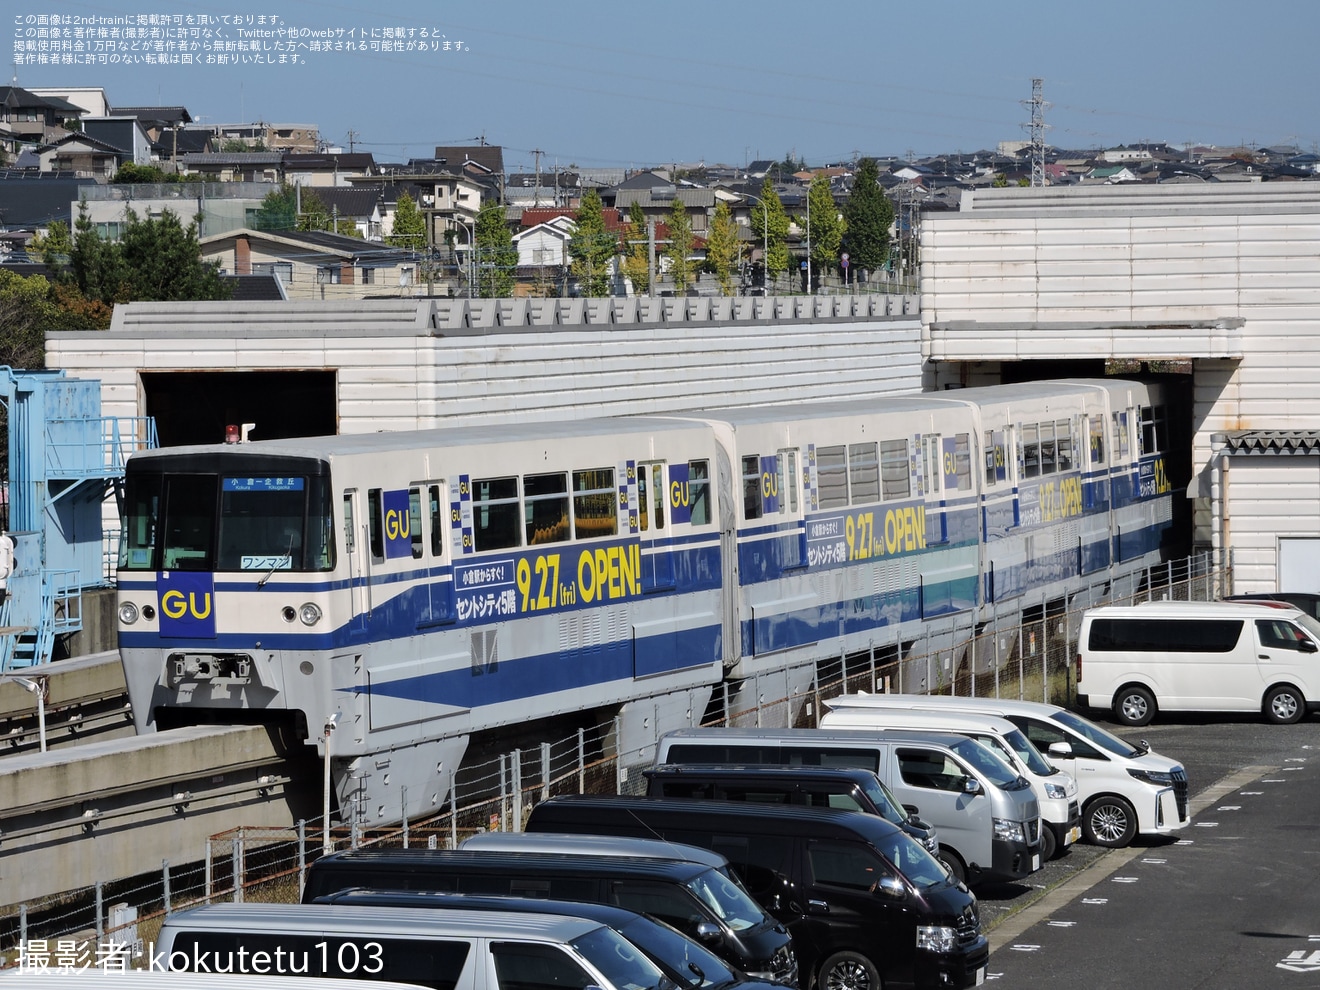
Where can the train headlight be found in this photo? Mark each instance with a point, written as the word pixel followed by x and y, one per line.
pixel 128 613
pixel 310 614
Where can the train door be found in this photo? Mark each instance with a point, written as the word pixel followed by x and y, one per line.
pixel 657 544
pixel 932 487
pixel 354 552
pixel 732 592
pixel 441 592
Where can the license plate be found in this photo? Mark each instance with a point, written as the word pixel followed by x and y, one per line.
pixel 980 975
pixel 1035 862
pixel 1074 835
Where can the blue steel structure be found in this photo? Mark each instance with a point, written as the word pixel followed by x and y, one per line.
pixel 64 458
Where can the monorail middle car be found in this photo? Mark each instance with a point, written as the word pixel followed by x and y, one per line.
pixel 416 588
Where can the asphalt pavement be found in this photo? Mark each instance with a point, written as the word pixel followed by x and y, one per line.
pixel 1232 901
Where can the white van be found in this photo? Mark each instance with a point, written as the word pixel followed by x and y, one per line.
pixel 987 816
pixel 158 979
pixel 1124 790
pixel 1199 656
pixel 433 947
pixel 1055 790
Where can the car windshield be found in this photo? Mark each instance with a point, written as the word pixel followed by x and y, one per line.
pixel 921 868
pixel 1094 734
pixel 1029 754
pixel 1311 623
pixel 995 769
pixel 884 800
pixel 624 965
pixel 694 962
pixel 728 899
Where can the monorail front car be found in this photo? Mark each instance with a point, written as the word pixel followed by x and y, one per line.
pixel 415 588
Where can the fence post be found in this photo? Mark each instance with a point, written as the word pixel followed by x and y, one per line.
pixel 165 885
pixel 582 761
pixel 210 878
pixel 971 663
pixel 22 925
pixel 236 863
pixel 403 800
pixel 618 754
pixel 100 912
pixel 545 771
pixel 353 837
pixel 1022 657
pixel 453 810
pixel 515 771
pixel 504 791
pixel 302 856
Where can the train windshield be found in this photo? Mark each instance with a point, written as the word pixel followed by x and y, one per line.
pixel 216 522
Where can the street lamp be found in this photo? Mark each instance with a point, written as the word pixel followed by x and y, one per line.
pixel 37 687
pixel 327 846
pixel 765 215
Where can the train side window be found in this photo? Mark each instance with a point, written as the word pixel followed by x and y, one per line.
pixel 962 461
pixel 595 503
pixel 350 533
pixel 545 508
pixel 643 505
pixel 495 513
pixel 1048 462
pixel 863 473
pixel 658 493
pixel 415 521
pixel 1121 446
pixel 1030 451
pixel 375 529
pixel 832 476
pixel 699 492
pixel 787 463
pixel 1097 428
pixel 930 464
pixel 437 507
pixel 1064 444
pixel 751 486
pixel 1149 434
pixel 895 476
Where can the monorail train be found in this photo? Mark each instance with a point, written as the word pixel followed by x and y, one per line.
pixel 416 588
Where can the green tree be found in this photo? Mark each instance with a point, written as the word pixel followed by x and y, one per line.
pixel 723 248
pixel 592 247
pixel 154 260
pixel 497 257
pixel 131 174
pixel 770 223
pixel 315 215
pixel 826 228
pixel 278 210
pixel 27 311
pixel 869 215
pixel 409 225
pixel 54 247
pixel 679 249
pixel 636 261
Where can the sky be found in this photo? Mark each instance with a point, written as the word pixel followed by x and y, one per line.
pixel 628 84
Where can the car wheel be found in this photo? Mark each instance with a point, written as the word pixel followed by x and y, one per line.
pixel 1049 845
pixel 1109 822
pixel 1284 705
pixel 1134 706
pixel 848 971
pixel 954 863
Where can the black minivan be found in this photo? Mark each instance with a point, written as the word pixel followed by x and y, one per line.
pixel 867 906
pixel 707 903
pixel 848 788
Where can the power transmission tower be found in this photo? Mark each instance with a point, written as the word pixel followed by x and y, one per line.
pixel 1036 128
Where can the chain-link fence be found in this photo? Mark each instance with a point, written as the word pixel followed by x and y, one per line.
pixel 1026 657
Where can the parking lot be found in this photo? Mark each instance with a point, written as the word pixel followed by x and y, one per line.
pixel 1230 901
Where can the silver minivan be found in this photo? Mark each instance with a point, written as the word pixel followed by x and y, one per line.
pixel 986 815
pixel 438 948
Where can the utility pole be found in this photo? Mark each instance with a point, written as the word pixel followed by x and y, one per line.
pixel 536 193
pixel 352 139
pixel 650 258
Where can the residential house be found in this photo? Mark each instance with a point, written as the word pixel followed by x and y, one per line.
pixel 221 206
pixel 1110 174
pixel 34 119
pixel 90 100
pixel 262 136
pixel 657 201
pixel 154 120
pixel 450 201
pixel 34 200
pixel 84 156
pixel 316 264
pixel 121 131
pixel 222 166
pixel 324 169
pixel 363 205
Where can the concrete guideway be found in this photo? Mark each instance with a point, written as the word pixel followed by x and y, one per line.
pixel 66 814
pixel 84 698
